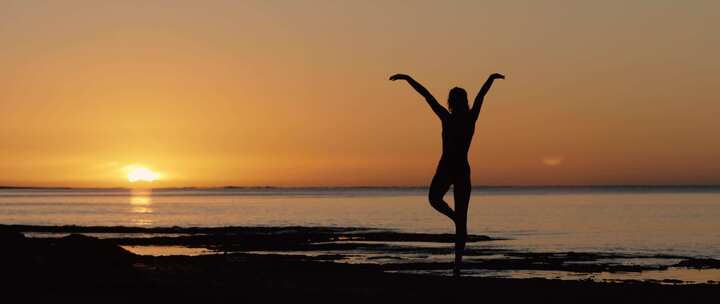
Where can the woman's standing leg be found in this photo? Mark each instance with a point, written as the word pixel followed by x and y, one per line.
pixel 461 192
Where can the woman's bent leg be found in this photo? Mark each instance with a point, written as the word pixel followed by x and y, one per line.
pixel 438 187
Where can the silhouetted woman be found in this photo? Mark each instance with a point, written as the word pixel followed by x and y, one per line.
pixel 458 126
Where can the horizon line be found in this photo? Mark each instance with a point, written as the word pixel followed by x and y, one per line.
pixel 268 187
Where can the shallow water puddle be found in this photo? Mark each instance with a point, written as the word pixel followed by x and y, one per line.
pixel 167 250
pixel 673 275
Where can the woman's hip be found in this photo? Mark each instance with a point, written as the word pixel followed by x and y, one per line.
pixel 456 169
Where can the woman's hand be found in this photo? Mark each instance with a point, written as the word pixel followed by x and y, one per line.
pixel 497 76
pixel 400 77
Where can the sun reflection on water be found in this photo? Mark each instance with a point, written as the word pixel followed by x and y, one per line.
pixel 141 207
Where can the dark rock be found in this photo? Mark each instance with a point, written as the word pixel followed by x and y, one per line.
pixel 86 251
pixel 699 263
pixel 10 237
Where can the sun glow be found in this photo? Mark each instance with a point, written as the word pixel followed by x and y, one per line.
pixel 140 174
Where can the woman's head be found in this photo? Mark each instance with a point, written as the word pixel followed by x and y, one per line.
pixel 457 101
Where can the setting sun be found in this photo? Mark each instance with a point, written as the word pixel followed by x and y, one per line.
pixel 141 174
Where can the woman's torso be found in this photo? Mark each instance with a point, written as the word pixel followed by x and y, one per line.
pixel 457 133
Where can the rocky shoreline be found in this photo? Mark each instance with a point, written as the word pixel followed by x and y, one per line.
pixel 75 265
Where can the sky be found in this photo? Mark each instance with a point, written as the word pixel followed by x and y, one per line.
pixel 295 93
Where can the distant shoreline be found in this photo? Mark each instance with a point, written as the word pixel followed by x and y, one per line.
pixel 640 188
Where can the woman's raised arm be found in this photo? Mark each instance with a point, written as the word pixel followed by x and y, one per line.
pixel 477 104
pixel 439 110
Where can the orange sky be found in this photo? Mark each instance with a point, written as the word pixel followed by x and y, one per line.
pixel 291 93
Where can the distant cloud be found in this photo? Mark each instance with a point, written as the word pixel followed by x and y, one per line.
pixel 552 161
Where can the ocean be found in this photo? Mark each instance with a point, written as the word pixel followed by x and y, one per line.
pixel 634 220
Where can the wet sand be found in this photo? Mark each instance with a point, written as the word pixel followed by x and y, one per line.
pixel 243 265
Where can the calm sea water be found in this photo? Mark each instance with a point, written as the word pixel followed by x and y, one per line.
pixel 665 221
